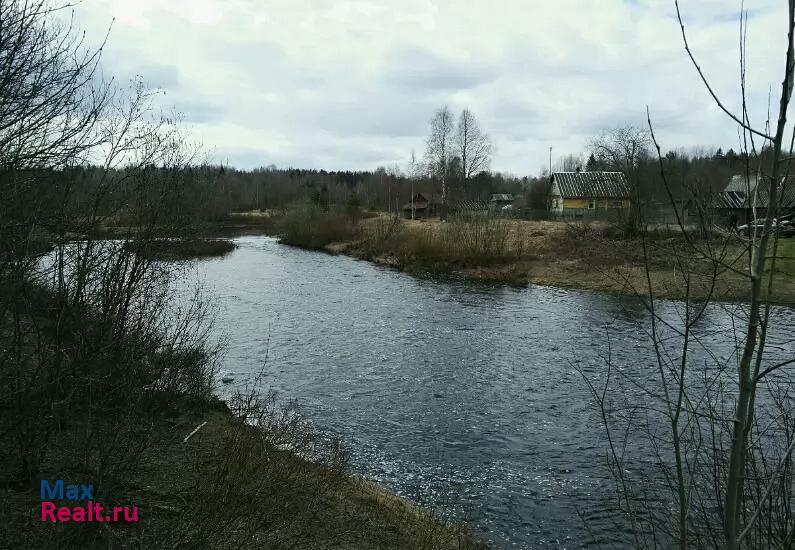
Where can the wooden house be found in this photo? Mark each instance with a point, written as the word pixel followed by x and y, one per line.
pixel 589 195
pixel 420 207
pixel 735 204
pixel 499 202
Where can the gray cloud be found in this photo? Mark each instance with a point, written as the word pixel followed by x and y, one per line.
pixel 352 85
pixel 158 76
pixel 419 70
pixel 200 111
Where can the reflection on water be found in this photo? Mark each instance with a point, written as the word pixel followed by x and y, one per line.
pixel 448 392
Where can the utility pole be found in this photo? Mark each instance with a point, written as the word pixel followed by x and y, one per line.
pixel 412 198
pixel 550 162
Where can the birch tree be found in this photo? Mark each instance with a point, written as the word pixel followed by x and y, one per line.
pixel 440 147
pixel 473 146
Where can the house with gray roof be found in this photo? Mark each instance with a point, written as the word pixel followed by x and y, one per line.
pixel 736 203
pixel 589 195
pixel 500 201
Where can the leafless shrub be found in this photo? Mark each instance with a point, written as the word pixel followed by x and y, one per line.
pixel 701 451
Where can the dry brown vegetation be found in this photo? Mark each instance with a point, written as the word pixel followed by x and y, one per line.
pixel 595 256
pixel 265 480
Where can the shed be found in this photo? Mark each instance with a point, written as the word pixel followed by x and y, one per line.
pixel 498 202
pixel 734 205
pixel 421 206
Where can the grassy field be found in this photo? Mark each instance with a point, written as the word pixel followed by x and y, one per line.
pixel 785 260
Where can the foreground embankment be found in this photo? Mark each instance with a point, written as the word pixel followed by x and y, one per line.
pixel 113 438
pixel 594 256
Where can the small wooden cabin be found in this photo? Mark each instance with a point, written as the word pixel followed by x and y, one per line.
pixel 498 202
pixel 421 207
pixel 589 195
pixel 735 204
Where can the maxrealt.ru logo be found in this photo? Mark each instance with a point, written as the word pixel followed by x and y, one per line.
pixel 84 509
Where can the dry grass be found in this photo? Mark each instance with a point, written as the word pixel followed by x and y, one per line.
pixel 459 243
pixel 594 256
pixel 232 485
pixel 275 498
pixel 311 227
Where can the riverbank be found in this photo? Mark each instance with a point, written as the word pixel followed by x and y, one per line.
pixel 229 486
pixel 132 414
pixel 587 256
pixel 591 256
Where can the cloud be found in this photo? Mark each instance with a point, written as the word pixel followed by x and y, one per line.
pixel 351 84
pixel 419 70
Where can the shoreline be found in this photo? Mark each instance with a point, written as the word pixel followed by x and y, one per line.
pixel 612 267
pixel 628 279
pixel 191 472
pixel 200 472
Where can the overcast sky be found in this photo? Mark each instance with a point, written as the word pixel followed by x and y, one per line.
pixel 340 84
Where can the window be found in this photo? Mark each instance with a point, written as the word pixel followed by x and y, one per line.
pixel 591 204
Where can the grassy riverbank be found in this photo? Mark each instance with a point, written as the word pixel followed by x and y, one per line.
pixel 229 486
pixel 87 401
pixel 595 256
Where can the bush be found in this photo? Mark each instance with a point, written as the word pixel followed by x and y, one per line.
pixel 312 227
pixel 464 240
pixel 478 238
pixel 181 249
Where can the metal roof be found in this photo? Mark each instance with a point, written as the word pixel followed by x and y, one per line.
pixel 501 197
pixel 420 201
pixel 470 205
pixel 586 185
pixel 739 193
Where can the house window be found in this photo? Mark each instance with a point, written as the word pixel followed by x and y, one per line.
pixel 591 204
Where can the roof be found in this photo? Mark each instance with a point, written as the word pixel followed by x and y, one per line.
pixel 602 185
pixel 419 202
pixel 502 197
pixel 741 193
pixel 470 205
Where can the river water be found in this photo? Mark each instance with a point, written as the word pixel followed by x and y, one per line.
pixel 457 395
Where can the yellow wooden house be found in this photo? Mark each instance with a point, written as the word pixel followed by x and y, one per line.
pixel 589 195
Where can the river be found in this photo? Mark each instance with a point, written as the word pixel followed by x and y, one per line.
pixel 454 394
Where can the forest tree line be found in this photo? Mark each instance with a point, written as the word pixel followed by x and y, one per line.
pixel 212 192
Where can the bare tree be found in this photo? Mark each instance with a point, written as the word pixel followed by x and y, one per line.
pixel 84 327
pixel 774 176
pixel 570 163
pixel 413 167
pixel 718 432
pixel 439 148
pixel 49 102
pixel 623 148
pixel 473 146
